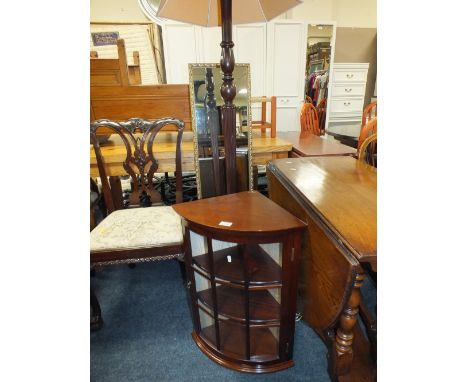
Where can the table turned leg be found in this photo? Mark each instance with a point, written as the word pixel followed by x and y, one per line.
pixel 342 350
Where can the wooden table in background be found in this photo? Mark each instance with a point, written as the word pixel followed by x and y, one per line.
pixel 336 196
pixel 307 144
pixel 263 150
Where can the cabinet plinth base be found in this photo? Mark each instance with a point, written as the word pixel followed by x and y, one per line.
pixel 238 365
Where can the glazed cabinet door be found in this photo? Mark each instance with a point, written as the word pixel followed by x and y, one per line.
pixel 239 300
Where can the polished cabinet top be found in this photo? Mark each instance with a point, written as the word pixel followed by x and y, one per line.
pixel 307 144
pixel 242 212
pixel 342 192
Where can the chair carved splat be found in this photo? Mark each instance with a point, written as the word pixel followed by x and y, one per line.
pixel 140 160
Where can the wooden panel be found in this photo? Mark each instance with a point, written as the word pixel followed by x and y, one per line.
pixel 342 191
pixel 120 103
pixel 108 72
pixel 323 271
pixel 105 72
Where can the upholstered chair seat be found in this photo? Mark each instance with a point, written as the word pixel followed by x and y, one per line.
pixel 137 228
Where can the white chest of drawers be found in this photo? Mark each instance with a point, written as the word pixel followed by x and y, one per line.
pixel 346 98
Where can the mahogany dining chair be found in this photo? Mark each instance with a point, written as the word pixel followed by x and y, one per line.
pixel 132 234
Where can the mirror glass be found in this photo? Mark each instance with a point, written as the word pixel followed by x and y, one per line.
pixel 318 58
pixel 206 101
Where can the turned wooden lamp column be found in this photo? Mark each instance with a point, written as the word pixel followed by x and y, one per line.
pixel 206 13
pixel 228 92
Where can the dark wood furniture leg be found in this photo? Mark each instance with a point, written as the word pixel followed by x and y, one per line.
pixel 96 317
pixel 341 357
pixel 116 190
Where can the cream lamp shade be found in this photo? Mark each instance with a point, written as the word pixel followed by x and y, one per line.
pixel 208 12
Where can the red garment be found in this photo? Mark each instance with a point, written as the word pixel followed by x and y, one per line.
pixel 316 92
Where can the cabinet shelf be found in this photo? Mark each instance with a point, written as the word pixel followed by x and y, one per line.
pixel 263 270
pixel 262 305
pixel 263 344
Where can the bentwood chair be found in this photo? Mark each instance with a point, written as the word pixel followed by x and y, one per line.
pixel 132 234
pixel 322 114
pixel 370 112
pixel 366 131
pixel 368 150
pixel 309 119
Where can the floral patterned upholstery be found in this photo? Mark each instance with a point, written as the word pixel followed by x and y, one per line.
pixel 138 228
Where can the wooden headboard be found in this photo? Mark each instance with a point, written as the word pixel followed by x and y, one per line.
pixel 120 103
pixel 110 71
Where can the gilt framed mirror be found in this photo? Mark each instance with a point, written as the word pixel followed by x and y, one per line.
pixel 205 102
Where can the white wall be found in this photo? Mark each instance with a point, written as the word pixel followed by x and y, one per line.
pixel 312 10
pixel 116 11
pixel 348 13
pixel 355 13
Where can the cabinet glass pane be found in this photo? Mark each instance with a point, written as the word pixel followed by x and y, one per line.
pixel 275 251
pixel 206 320
pixel 263 346
pixel 264 305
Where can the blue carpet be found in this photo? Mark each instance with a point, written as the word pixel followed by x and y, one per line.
pixel 147 333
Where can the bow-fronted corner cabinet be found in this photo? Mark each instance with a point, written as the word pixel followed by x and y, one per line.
pixel 241 255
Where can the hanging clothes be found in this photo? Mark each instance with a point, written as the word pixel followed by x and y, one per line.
pixel 317 85
pixel 316 90
pixel 322 86
pixel 310 85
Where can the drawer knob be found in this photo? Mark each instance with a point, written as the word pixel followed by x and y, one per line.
pixel 348 90
pixel 346 103
pixel 350 75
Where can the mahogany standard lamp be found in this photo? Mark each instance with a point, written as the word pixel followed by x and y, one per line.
pixel 213 13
